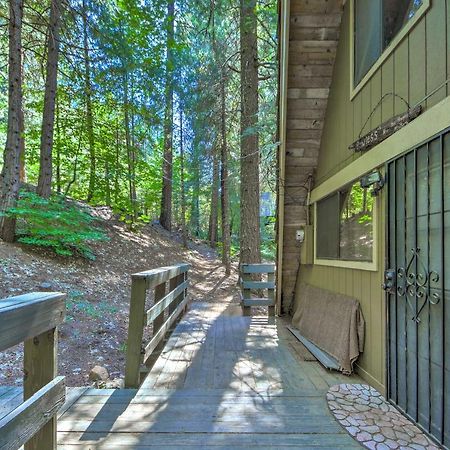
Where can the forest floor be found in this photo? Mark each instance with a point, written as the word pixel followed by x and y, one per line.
pixel 98 292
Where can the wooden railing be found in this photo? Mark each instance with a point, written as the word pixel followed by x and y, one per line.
pixel 249 285
pixel 33 319
pixel 175 301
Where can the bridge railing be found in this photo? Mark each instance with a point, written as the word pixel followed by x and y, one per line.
pixel 250 285
pixel 174 302
pixel 33 319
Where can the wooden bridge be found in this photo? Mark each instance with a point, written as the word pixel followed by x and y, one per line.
pixel 222 380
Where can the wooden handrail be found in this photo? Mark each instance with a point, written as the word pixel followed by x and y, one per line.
pixel 175 301
pixel 161 274
pixel 33 319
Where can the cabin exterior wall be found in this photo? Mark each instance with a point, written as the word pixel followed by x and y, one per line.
pixel 418 67
pixel 415 69
pixel 313 30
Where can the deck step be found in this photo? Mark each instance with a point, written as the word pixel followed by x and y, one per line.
pixel 258 302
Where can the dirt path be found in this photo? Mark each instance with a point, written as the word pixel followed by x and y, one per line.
pixel 98 294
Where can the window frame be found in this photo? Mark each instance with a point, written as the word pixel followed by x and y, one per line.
pixel 354 90
pixel 361 265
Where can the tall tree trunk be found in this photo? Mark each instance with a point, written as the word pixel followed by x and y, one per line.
pixel 75 165
pixel 89 114
pixel 9 178
pixel 182 185
pixel 22 169
pixel 107 184
pixel 117 166
pixel 214 211
pixel 224 183
pixel 132 155
pixel 58 148
pixel 166 195
pixel 44 187
pixel 249 231
pixel 195 205
pixel 129 147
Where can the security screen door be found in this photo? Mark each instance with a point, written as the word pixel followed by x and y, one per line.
pixel 419 293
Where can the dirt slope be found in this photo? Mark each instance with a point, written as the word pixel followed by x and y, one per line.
pixel 98 292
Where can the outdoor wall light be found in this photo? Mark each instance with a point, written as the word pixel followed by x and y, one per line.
pixel 300 235
pixel 373 180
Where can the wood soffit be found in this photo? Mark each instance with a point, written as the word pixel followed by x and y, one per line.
pixel 313 41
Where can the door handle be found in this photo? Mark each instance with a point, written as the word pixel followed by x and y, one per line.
pixel 389 284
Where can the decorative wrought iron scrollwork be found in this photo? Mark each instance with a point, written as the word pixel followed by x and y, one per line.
pixel 416 286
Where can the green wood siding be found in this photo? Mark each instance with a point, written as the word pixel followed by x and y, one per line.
pixel 366 287
pixel 418 65
pixel 416 68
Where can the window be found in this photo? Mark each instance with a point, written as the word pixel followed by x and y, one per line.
pixel 376 24
pixel 344 225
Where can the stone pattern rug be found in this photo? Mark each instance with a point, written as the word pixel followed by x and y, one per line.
pixel 372 421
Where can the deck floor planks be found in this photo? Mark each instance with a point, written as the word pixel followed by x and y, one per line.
pixel 222 381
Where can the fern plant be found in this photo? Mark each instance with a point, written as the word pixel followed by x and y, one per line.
pixel 61 226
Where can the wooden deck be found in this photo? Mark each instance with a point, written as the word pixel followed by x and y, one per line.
pixel 222 381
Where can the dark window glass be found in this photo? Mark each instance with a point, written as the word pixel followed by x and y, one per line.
pixel 377 22
pixel 345 225
pixel 367 35
pixel 328 227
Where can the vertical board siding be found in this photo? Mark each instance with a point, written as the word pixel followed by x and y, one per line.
pixel 448 42
pixel 366 287
pixel 436 50
pixel 417 67
pixel 375 87
pixel 387 87
pixel 401 73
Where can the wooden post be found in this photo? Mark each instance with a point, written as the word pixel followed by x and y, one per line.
pixel 185 292
pixel 271 293
pixel 173 284
pixel 160 292
pixel 135 332
pixel 40 368
pixel 246 293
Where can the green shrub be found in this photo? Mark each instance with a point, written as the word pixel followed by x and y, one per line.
pixel 55 223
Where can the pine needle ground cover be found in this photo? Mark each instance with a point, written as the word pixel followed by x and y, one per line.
pixel 55 223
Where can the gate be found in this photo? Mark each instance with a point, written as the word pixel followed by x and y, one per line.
pixel 418 285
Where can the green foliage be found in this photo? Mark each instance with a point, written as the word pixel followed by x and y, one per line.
pixel 268 250
pixel 56 224
pixel 77 303
pixel 127 64
pixel 123 347
pixel 268 242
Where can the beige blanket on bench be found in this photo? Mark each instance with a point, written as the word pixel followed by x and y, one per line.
pixel 333 322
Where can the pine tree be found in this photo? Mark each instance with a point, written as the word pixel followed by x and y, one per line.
pixel 10 175
pixel 249 231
